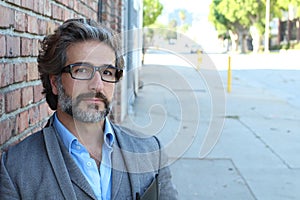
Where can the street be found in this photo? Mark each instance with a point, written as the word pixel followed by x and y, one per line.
pixel 238 145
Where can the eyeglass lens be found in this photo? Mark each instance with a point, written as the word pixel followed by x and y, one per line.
pixel 83 72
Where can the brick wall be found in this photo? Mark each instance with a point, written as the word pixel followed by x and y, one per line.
pixel 23 23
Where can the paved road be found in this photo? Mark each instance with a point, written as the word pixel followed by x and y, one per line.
pixel 253 131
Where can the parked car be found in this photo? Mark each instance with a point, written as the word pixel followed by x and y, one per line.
pixel 195 48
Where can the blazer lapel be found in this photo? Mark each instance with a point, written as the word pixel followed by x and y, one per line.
pixel 64 167
pixel 77 177
pixel 57 162
pixel 121 184
pixel 124 180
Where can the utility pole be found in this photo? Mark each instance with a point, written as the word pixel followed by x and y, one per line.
pixel 267 26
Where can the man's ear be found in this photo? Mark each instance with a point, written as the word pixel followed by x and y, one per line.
pixel 53 82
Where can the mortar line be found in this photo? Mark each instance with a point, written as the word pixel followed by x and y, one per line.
pixel 266 144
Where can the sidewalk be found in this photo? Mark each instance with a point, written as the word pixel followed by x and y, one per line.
pixel 256 155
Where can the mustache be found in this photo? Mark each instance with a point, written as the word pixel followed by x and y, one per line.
pixel 98 95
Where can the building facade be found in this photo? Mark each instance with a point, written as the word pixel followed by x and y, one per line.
pixel 23 23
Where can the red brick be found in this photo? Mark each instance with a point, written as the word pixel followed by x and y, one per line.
pixel 50 27
pixel 6 74
pixel 50 112
pixel 76 3
pixel 32 72
pixel 35 47
pixel 36 5
pixel 66 14
pixel 1 103
pixel 20 21
pixel 27 4
pixel 71 3
pixel 32 25
pixel 38 96
pixel 12 101
pixel 7 17
pixel 56 12
pixel 47 8
pixel 6 130
pixel 94 15
pixel 42 27
pixel 12 46
pixel 43 111
pixel 11 1
pixel 16 2
pixel 27 96
pixel 104 16
pixel 20 72
pixel 22 121
pixel 26 46
pixel 64 2
pixel 93 5
pixel 84 10
pixel 2 46
pixel 34 115
pixel 41 6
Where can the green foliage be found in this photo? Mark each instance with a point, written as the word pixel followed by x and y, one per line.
pixel 284 4
pixel 151 10
pixel 237 15
pixel 219 20
pixel 182 15
pixel 297 46
pixel 241 14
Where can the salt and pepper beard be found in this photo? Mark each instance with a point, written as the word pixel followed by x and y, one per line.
pixel 71 106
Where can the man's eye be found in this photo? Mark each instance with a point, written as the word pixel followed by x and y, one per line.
pixel 81 70
pixel 107 73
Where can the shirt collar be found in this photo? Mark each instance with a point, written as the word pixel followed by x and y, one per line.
pixel 109 136
pixel 68 138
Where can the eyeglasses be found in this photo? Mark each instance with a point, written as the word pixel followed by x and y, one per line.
pixel 86 71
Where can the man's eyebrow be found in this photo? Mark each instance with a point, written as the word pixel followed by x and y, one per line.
pixel 90 64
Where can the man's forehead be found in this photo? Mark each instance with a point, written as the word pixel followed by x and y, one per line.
pixel 90 51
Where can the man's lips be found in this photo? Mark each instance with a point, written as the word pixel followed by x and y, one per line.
pixel 93 100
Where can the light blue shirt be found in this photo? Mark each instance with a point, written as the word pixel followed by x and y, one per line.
pixel 100 180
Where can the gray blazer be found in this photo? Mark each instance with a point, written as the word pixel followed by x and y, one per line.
pixel 40 167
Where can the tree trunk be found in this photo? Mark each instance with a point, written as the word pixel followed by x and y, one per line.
pixel 234 41
pixel 255 38
pixel 242 42
pixel 298 29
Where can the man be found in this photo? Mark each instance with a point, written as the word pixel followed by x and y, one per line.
pixel 80 154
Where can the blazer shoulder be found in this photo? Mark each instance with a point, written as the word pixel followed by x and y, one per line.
pixel 26 145
pixel 29 149
pixel 133 140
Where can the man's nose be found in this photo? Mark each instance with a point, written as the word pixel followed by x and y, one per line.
pixel 96 83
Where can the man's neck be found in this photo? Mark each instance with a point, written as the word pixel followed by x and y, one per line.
pixel 89 134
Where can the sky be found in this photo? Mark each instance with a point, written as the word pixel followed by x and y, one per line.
pixel 194 6
pixel 202 31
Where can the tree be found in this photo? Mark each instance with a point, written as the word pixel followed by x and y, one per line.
pixel 182 16
pixel 236 17
pixel 151 10
pixel 285 5
pixel 292 7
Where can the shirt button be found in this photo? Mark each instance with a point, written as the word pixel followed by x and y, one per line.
pixel 89 164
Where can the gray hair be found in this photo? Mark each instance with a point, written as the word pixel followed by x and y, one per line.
pixel 52 56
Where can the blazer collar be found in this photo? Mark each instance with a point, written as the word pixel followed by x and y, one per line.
pixel 65 169
pixel 122 179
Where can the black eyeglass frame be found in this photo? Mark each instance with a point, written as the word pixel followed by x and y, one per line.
pixel 68 69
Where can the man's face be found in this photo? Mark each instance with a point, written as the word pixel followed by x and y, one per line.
pixel 86 100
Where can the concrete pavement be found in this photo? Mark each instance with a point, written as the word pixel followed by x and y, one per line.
pixel 253 131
